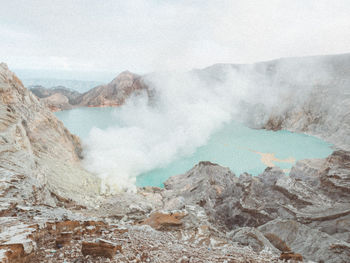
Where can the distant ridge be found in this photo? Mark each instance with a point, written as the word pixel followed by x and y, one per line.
pixel 112 94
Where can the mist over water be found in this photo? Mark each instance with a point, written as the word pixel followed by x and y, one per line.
pixel 188 108
pixel 183 116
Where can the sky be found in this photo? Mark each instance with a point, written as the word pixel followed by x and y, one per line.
pixel 146 36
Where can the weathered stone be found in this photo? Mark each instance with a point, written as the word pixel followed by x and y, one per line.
pixel 38 146
pixel 160 220
pixel 305 201
pixel 247 236
pixel 290 256
pixel 64 239
pixel 102 248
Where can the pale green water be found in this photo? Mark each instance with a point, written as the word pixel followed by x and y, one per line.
pixel 232 146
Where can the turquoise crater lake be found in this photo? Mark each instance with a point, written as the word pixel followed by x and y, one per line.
pixel 235 146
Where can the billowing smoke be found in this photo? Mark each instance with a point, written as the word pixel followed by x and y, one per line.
pixel 186 110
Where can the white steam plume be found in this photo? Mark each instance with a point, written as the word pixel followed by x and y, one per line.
pixel 188 108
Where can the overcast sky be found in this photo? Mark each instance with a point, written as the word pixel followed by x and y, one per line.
pixel 143 36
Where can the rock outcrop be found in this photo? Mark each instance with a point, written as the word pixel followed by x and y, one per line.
pixel 310 95
pixel 35 144
pixel 316 97
pixel 306 212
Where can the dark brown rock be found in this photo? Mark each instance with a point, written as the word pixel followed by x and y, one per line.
pixel 102 248
pixel 159 220
pixel 290 256
pixel 64 239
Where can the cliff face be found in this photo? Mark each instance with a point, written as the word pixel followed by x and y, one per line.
pixel 309 95
pixel 36 144
pixel 321 106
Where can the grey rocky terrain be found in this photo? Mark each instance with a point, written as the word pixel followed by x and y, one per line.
pixel 52 209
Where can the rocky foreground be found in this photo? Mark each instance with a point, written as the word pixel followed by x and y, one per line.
pixel 52 209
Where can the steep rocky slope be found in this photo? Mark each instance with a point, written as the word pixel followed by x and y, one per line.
pixel 308 94
pixel 35 142
pixel 322 110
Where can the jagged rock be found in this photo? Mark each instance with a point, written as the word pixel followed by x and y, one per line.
pixel 36 146
pixel 64 239
pixel 290 256
pixel 130 206
pixel 248 236
pixel 102 248
pixel 278 243
pixel 310 243
pixel 13 253
pixel 159 220
pixel 309 201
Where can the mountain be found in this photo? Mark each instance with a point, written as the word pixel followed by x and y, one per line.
pixel 114 93
pixel 310 95
pixel 56 98
pixel 80 86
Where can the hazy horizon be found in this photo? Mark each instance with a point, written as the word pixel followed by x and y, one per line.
pixel 145 36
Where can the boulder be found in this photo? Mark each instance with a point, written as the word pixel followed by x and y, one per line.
pixel 102 248
pixel 161 220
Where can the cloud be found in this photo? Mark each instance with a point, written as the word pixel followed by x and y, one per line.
pixel 188 109
pixel 191 106
pixel 144 36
